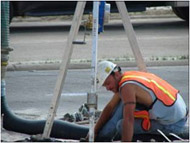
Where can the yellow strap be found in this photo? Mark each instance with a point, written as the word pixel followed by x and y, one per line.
pixel 141 116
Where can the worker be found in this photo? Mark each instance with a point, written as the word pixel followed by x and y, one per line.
pixel 142 103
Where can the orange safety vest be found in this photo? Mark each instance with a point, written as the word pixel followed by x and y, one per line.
pixel 162 90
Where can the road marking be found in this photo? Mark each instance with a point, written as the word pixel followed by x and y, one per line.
pixel 70 94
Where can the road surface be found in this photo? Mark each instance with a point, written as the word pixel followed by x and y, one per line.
pixel 29 93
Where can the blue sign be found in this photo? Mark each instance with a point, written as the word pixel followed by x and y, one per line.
pixel 101 16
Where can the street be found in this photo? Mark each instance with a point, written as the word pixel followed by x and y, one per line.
pixel 44 42
pixel 29 93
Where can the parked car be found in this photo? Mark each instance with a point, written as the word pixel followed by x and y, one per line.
pixel 50 8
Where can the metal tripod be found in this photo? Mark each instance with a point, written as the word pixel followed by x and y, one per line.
pixel 68 52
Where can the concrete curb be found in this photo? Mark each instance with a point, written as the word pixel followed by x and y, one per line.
pixel 87 65
pixel 26 23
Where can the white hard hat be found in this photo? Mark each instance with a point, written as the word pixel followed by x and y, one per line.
pixel 104 70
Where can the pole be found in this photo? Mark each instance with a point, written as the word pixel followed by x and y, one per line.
pixel 94 44
pixel 92 95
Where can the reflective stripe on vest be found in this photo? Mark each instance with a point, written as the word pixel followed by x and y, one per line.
pixel 144 115
pixel 163 90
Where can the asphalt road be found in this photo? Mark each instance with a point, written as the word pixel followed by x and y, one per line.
pixel 29 93
pixel 44 42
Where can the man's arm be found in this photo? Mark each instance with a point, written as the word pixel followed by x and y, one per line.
pixel 129 100
pixel 106 113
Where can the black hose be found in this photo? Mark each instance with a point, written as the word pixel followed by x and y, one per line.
pixel 61 129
